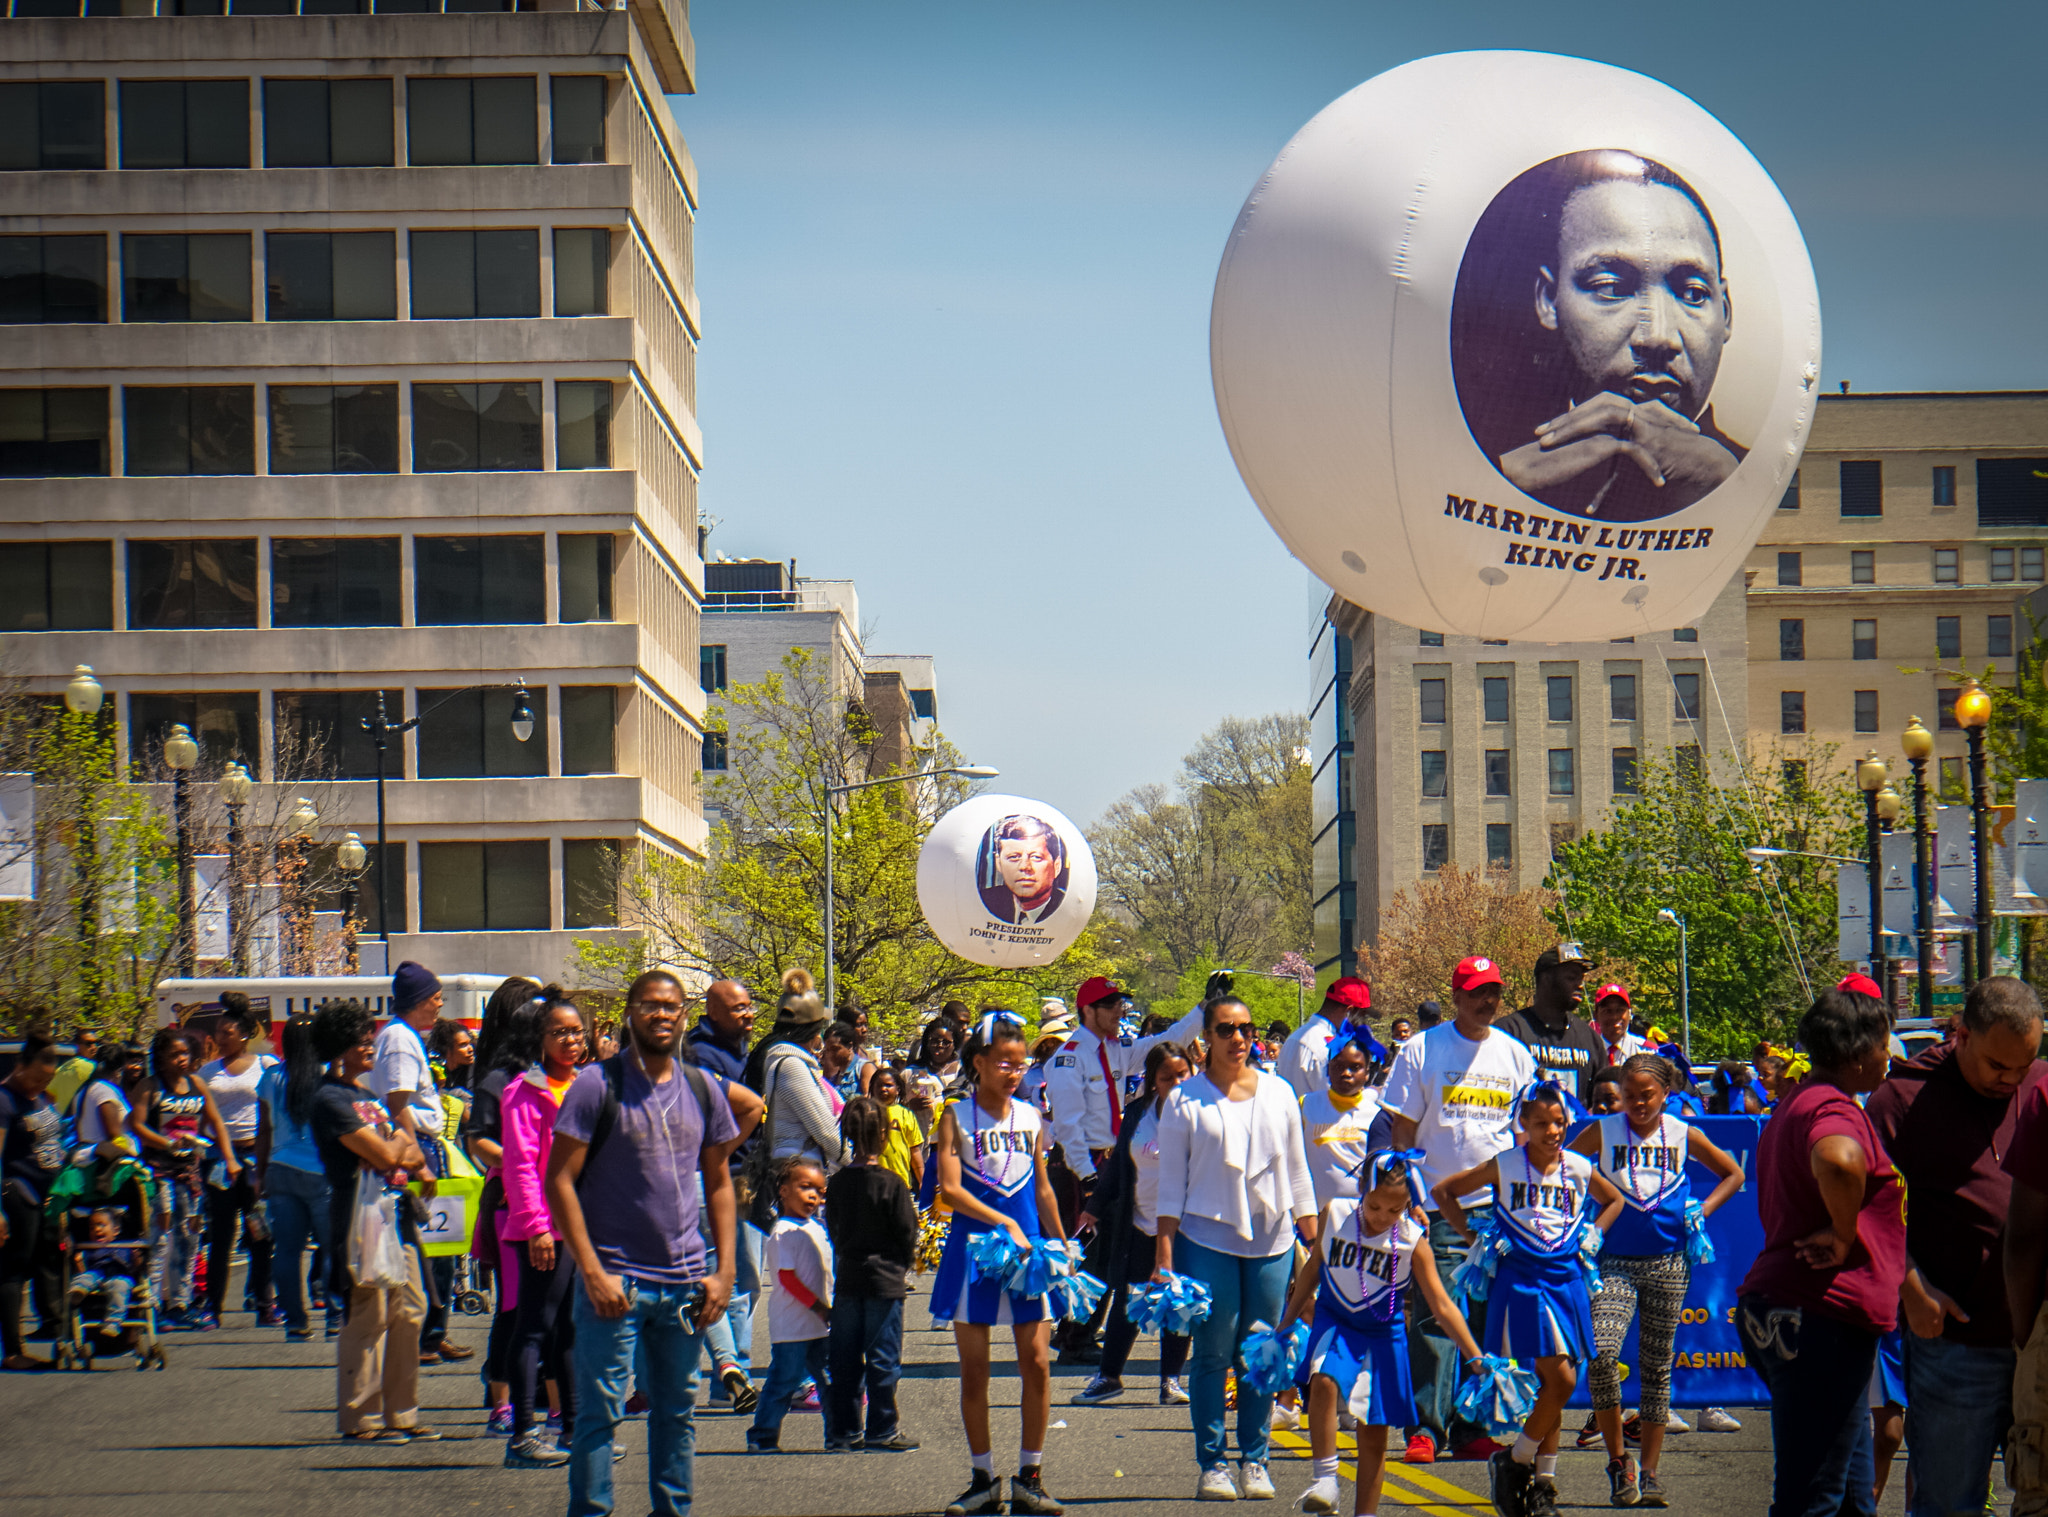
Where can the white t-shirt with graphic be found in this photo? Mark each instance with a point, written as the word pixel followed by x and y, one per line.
pixel 805 1251
pixel 1461 1096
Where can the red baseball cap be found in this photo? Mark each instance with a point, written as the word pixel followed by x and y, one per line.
pixel 1862 985
pixel 1612 990
pixel 1472 973
pixel 1096 989
pixel 1350 992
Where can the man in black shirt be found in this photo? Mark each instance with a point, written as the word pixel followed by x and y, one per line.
pixel 1566 1047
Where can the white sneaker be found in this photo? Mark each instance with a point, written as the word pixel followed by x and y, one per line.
pixel 1215 1484
pixel 1320 1497
pixel 1714 1420
pixel 1285 1417
pixel 1171 1392
pixel 1673 1423
pixel 1258 1485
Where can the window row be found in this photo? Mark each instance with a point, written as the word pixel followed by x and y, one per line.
pixel 314 582
pixel 1678 635
pixel 1948 638
pixel 312 429
pixel 307 276
pixel 2011 492
pixel 306 123
pixel 1561 772
pixel 1494 696
pixel 2006 566
pixel 1792 710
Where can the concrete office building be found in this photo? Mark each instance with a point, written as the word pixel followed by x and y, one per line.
pixel 1914 524
pixel 354 352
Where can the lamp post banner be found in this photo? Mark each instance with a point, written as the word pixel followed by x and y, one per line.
pixel 1852 913
pixel 1006 882
pixel 2030 843
pixel 1955 867
pixel 1900 904
pixel 17 837
pixel 210 905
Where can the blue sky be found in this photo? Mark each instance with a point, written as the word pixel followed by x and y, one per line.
pixel 955 264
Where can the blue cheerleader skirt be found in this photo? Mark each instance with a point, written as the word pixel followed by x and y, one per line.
pixel 1888 1377
pixel 1539 1308
pixel 960 1296
pixel 1370 1371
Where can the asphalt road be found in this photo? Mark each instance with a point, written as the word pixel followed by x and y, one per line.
pixel 243 1423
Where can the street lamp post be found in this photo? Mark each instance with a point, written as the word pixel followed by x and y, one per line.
pixel 350 857
pixel 1666 914
pixel 235 786
pixel 1870 776
pixel 1918 744
pixel 291 869
pixel 832 793
pixel 180 754
pixel 82 697
pixel 1889 803
pixel 1973 714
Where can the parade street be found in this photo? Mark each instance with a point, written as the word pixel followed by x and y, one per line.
pixel 243 1423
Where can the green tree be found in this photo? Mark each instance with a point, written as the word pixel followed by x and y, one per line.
pixel 1753 929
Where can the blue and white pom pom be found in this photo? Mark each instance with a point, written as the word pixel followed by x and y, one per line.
pixel 1473 1279
pixel 1590 1240
pixel 1174 1307
pixel 1270 1358
pixel 1499 1396
pixel 994 1254
pixel 1074 1294
pixel 1699 1248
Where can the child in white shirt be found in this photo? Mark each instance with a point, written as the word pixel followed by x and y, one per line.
pixel 800 1310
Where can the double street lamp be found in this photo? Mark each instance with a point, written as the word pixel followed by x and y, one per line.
pixel 181 753
pixel 235 788
pixel 1918 744
pixel 82 697
pixel 1973 715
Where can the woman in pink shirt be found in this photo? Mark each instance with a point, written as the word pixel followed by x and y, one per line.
pixel 543 1331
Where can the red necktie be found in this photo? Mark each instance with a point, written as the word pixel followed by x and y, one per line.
pixel 1613 1053
pixel 1116 1116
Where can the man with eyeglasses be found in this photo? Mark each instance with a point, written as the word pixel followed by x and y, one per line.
pixel 634 1135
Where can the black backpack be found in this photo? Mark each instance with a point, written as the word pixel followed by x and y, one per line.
pixel 614 1072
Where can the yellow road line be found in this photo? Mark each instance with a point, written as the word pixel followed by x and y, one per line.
pixel 1423 1500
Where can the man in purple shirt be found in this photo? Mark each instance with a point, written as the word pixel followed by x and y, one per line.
pixel 633 1136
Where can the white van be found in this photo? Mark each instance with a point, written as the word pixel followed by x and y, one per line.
pixel 278 999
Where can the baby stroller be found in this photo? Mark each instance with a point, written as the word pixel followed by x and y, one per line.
pixel 123 1189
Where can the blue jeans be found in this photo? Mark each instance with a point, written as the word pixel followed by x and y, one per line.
pixel 1958 1407
pixel 1820 1413
pixel 1241 1292
pixel 752 1244
pixel 179 1217
pixel 659 1332
pixel 789 1365
pixel 1435 1361
pixel 297 1202
pixel 866 1340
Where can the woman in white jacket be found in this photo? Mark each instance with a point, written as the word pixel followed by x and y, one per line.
pixel 1234 1189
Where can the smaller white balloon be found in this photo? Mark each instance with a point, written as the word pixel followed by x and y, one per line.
pixel 1006 882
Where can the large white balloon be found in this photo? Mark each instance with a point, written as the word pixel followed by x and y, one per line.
pixel 1517 346
pixel 1006 882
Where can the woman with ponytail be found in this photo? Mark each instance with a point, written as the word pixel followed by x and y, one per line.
pixel 289 1177
pixel 784 1068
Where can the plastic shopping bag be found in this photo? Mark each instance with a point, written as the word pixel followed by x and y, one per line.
pixel 376 1252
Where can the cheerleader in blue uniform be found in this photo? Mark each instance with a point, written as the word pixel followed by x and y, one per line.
pixel 991 1166
pixel 1369 1247
pixel 1538 1308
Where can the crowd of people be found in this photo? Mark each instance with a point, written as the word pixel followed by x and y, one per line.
pixel 1396 1220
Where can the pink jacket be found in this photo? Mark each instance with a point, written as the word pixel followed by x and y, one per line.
pixel 528 1113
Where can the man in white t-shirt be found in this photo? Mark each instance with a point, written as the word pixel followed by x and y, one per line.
pixel 1307 1049
pixel 1452 1094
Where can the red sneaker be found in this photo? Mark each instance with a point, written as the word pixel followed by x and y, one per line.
pixel 1421 1450
pixel 1478 1448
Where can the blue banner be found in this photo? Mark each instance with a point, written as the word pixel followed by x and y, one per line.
pixel 1709 1367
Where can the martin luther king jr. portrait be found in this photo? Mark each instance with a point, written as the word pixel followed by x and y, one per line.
pixel 1588 325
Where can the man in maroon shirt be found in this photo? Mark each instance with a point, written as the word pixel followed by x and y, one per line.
pixel 1947 1118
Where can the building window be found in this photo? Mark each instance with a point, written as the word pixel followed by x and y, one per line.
pixel 1621 697
pixel 2012 492
pixel 1432 691
pixel 201 276
pixel 583 424
pixel 1948 569
pixel 46 281
pixel 320 733
pixel 1686 690
pixel 2030 564
pixel 711 667
pixel 56 587
pixel 184 123
pixel 206 582
pixel 330 276
pixel 1788 568
pixel 1500 845
pixel 53 125
pixel 1497 771
pixel 1862 487
pixel 1948 637
pixel 1493 695
pixel 925 704
pixel 1998 636
pixel 333 429
pixel 1791 640
pixel 1791 711
pixel 1789 501
pixel 1432 639
pixel 582 267
pixel 1862 566
pixel 223 721
pixel 470 121
pixel 484 887
pixel 714 752
pixel 1563 777
pixel 1436 846
pixel 334 582
pixel 460 428
pixel 1866 711
pixel 1944 484
pixel 478 581
pixel 2002 564
pixel 1945 708
pixel 577 115
pixel 460 275
pixel 1863 638
pixel 470 736
pixel 1624 775
pixel 1685 634
pixel 588 718
pixel 1434 776
pixel 1557 689
pixel 49 434
pixel 586 576
pixel 327 123
pixel 590 882
pixel 198 429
